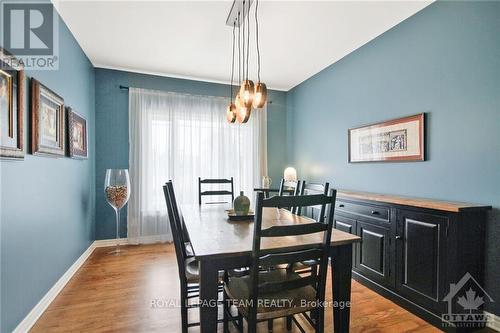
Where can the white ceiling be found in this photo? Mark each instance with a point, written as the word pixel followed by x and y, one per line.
pixel 189 39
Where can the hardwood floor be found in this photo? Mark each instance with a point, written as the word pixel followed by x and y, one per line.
pixel 131 293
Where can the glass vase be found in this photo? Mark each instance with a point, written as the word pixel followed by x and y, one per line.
pixel 117 192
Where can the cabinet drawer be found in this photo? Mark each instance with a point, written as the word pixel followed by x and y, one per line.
pixel 362 209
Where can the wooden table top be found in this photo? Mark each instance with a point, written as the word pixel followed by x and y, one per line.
pixel 448 206
pixel 213 235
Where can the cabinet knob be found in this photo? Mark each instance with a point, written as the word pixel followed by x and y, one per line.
pixel 341 205
pixel 398 237
pixel 374 212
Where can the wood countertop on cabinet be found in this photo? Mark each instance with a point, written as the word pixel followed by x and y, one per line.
pixel 448 206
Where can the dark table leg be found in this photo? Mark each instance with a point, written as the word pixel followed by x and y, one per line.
pixel 341 286
pixel 208 297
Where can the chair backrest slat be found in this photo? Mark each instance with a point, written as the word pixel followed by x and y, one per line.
pixel 273 287
pixel 297 201
pixel 216 181
pixel 293 230
pixel 216 193
pixel 219 192
pixel 274 259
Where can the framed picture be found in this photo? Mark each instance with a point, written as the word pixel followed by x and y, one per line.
pixel 77 134
pixel 11 107
pixel 47 121
pixel 394 140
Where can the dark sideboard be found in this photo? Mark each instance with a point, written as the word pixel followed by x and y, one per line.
pixel 413 249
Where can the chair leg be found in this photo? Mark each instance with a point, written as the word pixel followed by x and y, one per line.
pixel 314 313
pixel 184 313
pixel 251 324
pixel 270 325
pixel 289 323
pixel 225 312
pixel 320 319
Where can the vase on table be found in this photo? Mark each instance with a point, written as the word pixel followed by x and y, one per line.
pixel 117 192
pixel 241 205
pixel 266 182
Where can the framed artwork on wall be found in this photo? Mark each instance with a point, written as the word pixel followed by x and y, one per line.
pixel 47 121
pixel 396 140
pixel 11 107
pixel 77 135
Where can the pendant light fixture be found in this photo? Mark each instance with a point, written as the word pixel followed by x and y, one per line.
pixel 247 87
pixel 243 110
pixel 231 108
pixel 249 95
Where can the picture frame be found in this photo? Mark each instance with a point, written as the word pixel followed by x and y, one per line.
pixel 47 121
pixel 12 97
pixel 77 135
pixel 396 140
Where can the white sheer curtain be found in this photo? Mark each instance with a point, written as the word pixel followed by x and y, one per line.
pixel 183 137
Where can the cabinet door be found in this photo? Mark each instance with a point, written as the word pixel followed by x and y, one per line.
pixel 373 253
pixel 345 224
pixel 420 250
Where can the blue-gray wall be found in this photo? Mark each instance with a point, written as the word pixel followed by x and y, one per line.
pixel 445 61
pixel 47 214
pixel 112 130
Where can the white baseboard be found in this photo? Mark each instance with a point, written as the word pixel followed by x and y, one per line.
pixel 494 322
pixel 132 241
pixel 110 242
pixel 35 313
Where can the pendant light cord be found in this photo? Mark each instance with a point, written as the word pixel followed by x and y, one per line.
pixel 257 38
pixel 243 63
pixel 232 64
pixel 248 36
pixel 239 48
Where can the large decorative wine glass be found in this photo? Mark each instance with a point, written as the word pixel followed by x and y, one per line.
pixel 117 191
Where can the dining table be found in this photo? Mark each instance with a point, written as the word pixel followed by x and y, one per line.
pixel 220 244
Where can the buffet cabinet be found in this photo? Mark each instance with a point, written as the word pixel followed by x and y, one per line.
pixel 413 249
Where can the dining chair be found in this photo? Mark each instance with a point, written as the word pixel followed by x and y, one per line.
pixel 290 187
pixel 183 234
pixel 187 265
pixel 309 189
pixel 285 292
pixel 316 213
pixel 220 182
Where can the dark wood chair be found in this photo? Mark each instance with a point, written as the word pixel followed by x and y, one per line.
pixel 215 192
pixel 317 213
pixel 290 188
pixel 187 265
pixel 309 189
pixel 305 292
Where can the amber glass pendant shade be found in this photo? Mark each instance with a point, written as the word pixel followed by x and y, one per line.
pixel 243 114
pixel 237 101
pixel 246 93
pixel 260 95
pixel 231 113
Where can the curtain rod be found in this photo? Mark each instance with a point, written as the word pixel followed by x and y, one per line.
pixel 127 88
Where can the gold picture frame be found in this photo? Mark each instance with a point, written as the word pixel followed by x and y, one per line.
pixel 77 135
pixel 47 121
pixel 11 107
pixel 396 140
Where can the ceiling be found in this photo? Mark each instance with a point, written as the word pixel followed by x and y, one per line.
pixel 189 39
